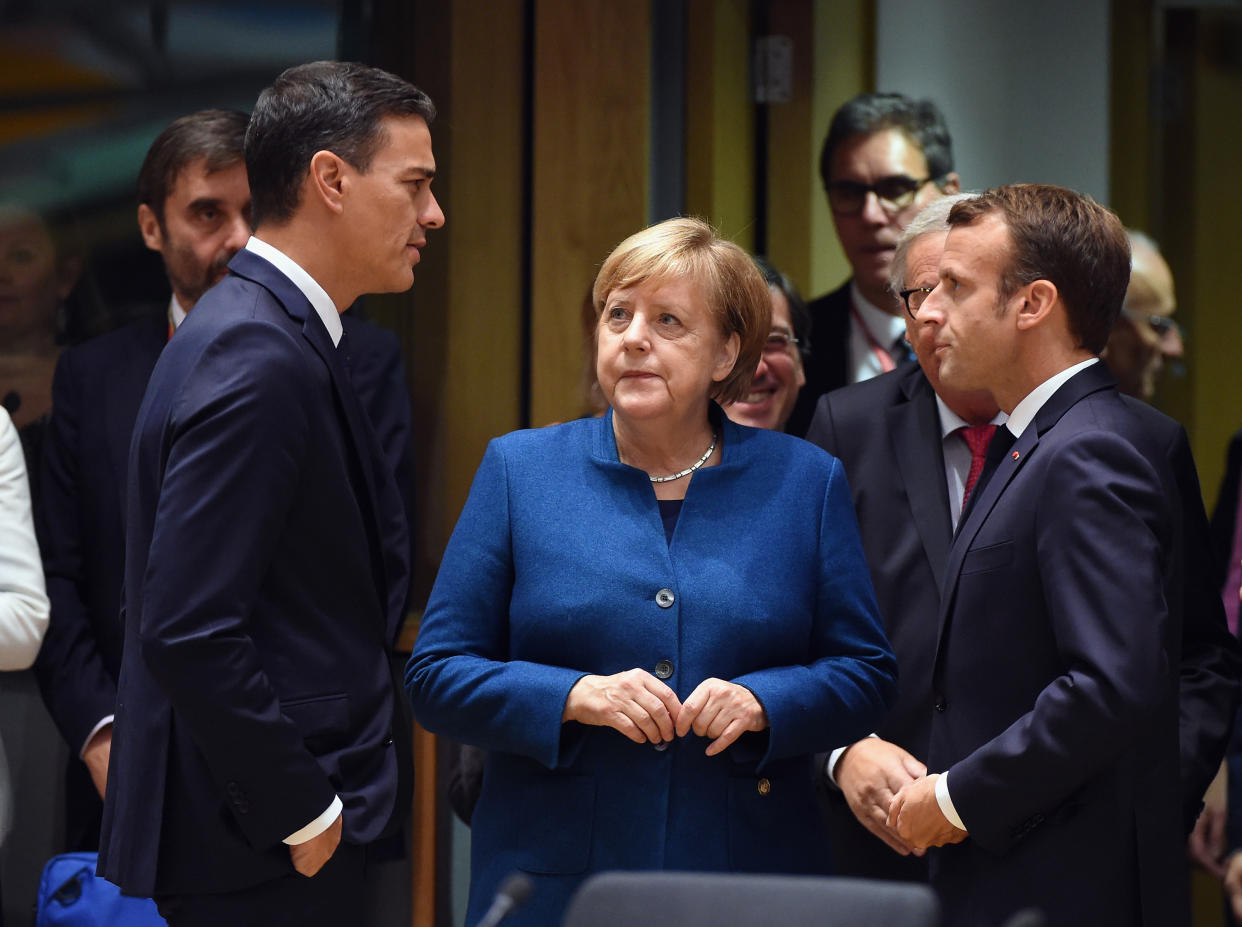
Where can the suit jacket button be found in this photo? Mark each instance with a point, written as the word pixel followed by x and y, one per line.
pixel 388 742
pixel 663 669
pixel 665 598
pixel 661 746
pixel 232 789
pixel 941 704
pixel 764 786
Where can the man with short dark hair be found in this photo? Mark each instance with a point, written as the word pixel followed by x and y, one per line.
pixel 885 157
pixel 259 747
pixel 909 444
pixel 194 211
pixel 1054 737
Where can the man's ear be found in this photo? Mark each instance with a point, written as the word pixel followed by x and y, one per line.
pixel 327 179
pixel 149 226
pixel 1037 302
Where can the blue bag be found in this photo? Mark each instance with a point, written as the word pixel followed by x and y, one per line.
pixel 71 895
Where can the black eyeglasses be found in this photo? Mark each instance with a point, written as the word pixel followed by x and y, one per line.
pixel 848 197
pixel 913 298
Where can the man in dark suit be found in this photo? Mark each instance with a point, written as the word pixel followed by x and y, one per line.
pixel 885 157
pixel 258 745
pixel 194 211
pixel 899 437
pixel 1055 733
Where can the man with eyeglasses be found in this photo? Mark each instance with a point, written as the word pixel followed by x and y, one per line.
pixel 1145 337
pixel 885 157
pixel 905 441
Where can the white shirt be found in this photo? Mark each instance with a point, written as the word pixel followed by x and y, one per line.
pixel 1022 415
pixel 884 328
pixel 176 315
pixel 956 456
pixel 320 301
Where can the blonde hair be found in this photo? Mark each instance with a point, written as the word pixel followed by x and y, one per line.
pixel 734 290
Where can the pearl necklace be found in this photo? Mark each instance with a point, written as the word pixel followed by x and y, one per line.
pixel 690 469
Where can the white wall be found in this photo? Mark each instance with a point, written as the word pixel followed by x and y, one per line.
pixel 1024 86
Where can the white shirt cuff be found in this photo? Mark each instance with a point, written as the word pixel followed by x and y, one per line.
pixel 317 826
pixel 835 757
pixel 103 722
pixel 946 803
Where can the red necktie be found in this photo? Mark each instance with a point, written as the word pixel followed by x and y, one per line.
pixel 977 438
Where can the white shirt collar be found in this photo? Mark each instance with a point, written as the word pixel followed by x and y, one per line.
pixel 950 421
pixel 885 327
pixel 176 315
pixel 1024 412
pixel 316 295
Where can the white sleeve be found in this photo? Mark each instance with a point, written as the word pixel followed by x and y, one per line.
pixel 23 599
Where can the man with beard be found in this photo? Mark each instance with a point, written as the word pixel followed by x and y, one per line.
pixel 194 210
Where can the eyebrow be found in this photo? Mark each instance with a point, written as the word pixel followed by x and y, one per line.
pixel 205 202
pixel 422 173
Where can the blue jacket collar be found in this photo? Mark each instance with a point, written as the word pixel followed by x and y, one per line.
pixel 734 450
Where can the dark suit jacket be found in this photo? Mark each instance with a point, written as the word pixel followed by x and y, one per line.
pixel 97 390
pixel 886 431
pixel 827 368
pixel 1056 676
pixel 265 577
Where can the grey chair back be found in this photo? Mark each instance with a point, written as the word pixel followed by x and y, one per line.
pixel 698 899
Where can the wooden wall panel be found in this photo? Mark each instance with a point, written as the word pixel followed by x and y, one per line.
pixel 591 99
pixel 720 118
pixel 844 65
pixel 791 147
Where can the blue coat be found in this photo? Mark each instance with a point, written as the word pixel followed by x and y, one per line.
pixel 553 572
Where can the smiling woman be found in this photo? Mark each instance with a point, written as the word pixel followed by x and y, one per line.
pixel 652 685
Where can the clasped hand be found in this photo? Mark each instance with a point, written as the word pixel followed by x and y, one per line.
pixel 916 816
pixel 644 709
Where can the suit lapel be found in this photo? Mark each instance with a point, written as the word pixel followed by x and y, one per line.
pixel 914 427
pixel 1092 379
pixel 357 426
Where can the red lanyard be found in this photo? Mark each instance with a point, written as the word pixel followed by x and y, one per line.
pixel 880 352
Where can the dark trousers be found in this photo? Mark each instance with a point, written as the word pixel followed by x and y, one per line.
pixel 334 896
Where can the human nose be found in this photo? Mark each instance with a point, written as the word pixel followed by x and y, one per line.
pixel 873 211
pixel 636 336
pixel 930 310
pixel 238 234
pixel 1171 345
pixel 432 216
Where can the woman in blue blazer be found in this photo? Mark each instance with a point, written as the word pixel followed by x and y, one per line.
pixel 652 639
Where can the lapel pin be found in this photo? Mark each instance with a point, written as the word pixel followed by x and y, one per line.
pixel 1015 455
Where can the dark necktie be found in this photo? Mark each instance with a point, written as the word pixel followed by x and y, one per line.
pixel 977 438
